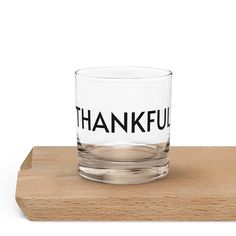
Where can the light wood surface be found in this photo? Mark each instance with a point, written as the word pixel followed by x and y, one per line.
pixel 201 185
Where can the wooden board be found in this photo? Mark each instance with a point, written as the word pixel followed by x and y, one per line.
pixel 201 185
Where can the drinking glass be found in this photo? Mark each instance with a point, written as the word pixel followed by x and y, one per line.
pixel 123 123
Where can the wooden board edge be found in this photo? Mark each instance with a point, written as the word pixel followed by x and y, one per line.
pixel 26 165
pixel 126 209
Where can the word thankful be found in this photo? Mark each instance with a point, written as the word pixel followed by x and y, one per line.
pixel 130 123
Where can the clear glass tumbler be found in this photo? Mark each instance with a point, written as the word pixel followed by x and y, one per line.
pixel 123 123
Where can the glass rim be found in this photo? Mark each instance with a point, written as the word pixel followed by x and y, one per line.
pixel 96 72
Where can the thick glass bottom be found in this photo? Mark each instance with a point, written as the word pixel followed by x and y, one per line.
pixel 129 176
pixel 123 164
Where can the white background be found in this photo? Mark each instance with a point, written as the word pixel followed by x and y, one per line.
pixel 43 42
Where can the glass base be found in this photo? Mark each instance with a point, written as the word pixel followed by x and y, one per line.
pixel 129 176
pixel 123 163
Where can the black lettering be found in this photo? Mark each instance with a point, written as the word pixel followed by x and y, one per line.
pixel 114 119
pixel 158 120
pixel 163 120
pixel 168 117
pixel 96 125
pixel 149 120
pixel 77 109
pixel 136 122
pixel 86 119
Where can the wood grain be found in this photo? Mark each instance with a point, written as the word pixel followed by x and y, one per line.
pixel 201 185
